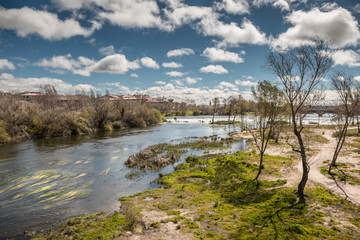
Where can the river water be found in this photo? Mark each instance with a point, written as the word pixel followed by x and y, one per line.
pixel 43 182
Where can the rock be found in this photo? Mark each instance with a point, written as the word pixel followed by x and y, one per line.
pixel 132 160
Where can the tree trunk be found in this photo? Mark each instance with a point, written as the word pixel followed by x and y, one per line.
pixel 260 166
pixel 305 166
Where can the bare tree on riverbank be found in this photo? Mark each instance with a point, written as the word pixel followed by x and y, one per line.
pixel 269 105
pixel 348 91
pixel 215 102
pixel 300 71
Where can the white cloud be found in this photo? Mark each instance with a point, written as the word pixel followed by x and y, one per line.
pixel 160 82
pixel 149 62
pixel 231 34
pixel 357 8
pixel 26 21
pixel 337 26
pixel 180 52
pixel 219 55
pixel 109 50
pixel 227 85
pixel 178 82
pixel 177 13
pixel 284 5
pixel 347 57
pixel 116 63
pixel 246 83
pixel 357 78
pixel 175 74
pixel 134 75
pixel 8 82
pixel 217 69
pixel 172 65
pixel 124 13
pixel 67 63
pixel 191 81
pixel 248 77
pixel 233 6
pixel 5 64
pixel 200 95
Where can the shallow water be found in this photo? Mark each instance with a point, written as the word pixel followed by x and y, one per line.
pixel 47 181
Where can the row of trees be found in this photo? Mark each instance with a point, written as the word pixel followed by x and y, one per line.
pixel 48 115
pixel 300 72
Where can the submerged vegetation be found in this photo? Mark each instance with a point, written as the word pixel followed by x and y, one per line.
pixel 157 156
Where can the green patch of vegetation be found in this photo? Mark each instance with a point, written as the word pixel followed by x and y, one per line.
pixel 349 133
pixel 97 226
pixel 343 172
pixel 320 139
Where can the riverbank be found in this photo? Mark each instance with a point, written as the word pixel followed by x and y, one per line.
pixel 48 117
pixel 214 197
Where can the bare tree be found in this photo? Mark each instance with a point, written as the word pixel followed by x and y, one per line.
pixel 231 106
pixel 348 91
pixel 300 71
pixel 215 102
pixel 269 105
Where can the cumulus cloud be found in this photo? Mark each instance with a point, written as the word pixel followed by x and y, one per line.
pixel 246 83
pixel 116 63
pixel 132 13
pixel 231 34
pixel 347 57
pixel 178 82
pixel 9 82
pixel 219 55
pixel 172 65
pixel 149 63
pixel 109 50
pixel 66 62
pixel 233 6
pixel 337 26
pixel 134 75
pixel 180 52
pixel 217 69
pixel 191 81
pixel 160 82
pixel 177 13
pixel 227 85
pixel 201 95
pixel 6 64
pixel 26 21
pixel 284 5
pixel 124 13
pixel 175 74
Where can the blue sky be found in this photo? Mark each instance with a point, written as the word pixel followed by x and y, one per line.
pixel 181 49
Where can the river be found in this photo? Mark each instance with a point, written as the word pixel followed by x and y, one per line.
pixel 46 181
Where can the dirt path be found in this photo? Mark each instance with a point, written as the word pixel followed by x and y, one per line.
pixel 293 175
pixel 351 192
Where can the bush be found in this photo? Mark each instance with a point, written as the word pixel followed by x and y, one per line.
pixel 4 136
pixel 132 216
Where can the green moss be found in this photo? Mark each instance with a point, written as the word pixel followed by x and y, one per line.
pixel 95 226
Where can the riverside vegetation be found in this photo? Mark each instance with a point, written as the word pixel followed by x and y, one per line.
pixel 48 116
pixel 216 197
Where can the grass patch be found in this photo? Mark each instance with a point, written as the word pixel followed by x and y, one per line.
pixel 97 226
